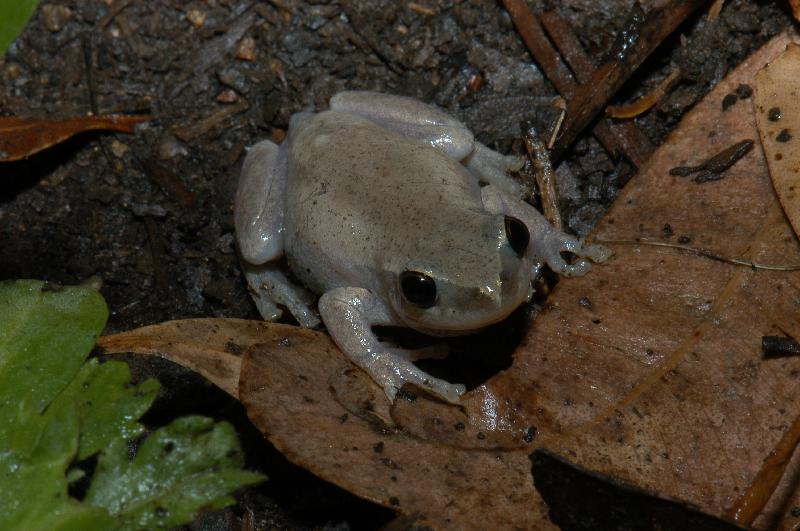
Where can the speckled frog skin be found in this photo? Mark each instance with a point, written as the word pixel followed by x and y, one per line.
pixel 377 205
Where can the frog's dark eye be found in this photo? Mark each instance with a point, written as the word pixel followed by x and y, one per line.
pixel 418 288
pixel 517 234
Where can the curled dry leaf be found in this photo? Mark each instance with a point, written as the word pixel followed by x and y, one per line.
pixel 286 386
pixel 795 8
pixel 778 117
pixel 23 137
pixel 211 347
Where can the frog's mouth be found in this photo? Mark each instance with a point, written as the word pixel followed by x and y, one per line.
pixel 468 320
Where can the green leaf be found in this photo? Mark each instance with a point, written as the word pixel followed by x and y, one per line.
pixel 108 406
pixel 188 465
pixel 14 14
pixel 45 334
pixel 56 408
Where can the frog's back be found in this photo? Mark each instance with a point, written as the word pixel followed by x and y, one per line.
pixel 359 195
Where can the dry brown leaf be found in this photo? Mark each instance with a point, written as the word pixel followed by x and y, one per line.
pixel 664 376
pixel 211 347
pixel 287 385
pixel 795 8
pixel 778 117
pixel 22 137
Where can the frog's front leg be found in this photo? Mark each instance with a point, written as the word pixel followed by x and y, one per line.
pixel 258 217
pixel 349 314
pixel 546 243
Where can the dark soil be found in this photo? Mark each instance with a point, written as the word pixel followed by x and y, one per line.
pixel 150 215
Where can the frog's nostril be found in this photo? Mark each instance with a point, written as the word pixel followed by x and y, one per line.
pixel 517 234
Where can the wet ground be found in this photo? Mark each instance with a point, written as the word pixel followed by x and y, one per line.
pixel 151 215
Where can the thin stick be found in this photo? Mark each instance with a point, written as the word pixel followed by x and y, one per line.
pixel 625 139
pixel 752 502
pixel 639 41
pixel 706 254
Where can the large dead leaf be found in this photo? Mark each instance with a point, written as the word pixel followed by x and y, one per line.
pixel 778 117
pixel 211 347
pixel 649 369
pixel 23 137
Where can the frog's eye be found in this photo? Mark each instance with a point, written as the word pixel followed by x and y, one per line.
pixel 418 288
pixel 517 234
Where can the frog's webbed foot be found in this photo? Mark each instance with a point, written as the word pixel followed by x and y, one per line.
pixel 270 287
pixel 349 314
pixel 546 243
pixel 556 242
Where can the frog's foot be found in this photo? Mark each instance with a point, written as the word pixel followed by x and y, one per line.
pixel 556 242
pixel 349 314
pixel 392 369
pixel 270 287
pixel 491 167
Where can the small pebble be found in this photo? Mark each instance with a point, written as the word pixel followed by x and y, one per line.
pixel 170 147
pixel 196 17
pixel 55 17
pixel 227 96
pixel 246 51
pixel 118 149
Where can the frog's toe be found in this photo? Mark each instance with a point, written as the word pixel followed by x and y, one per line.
pixel 399 371
pixel 268 310
pixel 597 253
pixel 560 243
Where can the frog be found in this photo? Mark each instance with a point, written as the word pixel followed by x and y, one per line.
pixel 390 211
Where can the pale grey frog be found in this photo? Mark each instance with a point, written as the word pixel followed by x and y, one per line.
pixel 378 207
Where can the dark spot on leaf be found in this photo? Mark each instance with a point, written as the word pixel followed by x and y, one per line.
pixel 530 434
pixel 774 114
pixel 744 91
pixel 728 101
pixel 783 136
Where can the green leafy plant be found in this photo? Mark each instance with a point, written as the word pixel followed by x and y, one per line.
pixel 14 14
pixel 57 409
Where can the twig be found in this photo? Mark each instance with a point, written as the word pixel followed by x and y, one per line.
pixel 115 10
pixel 545 178
pixel 755 498
pixel 646 102
pixel 625 139
pixel 643 35
pixel 706 254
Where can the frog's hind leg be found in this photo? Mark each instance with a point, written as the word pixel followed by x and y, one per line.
pixel 270 287
pixel 258 217
pixel 258 212
pixel 492 168
pixel 410 118
pixel 414 119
